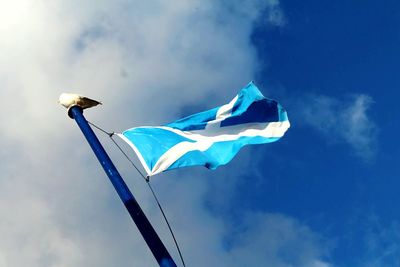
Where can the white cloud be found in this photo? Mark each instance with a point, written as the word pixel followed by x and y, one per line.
pixel 142 59
pixel 381 243
pixel 276 240
pixel 343 119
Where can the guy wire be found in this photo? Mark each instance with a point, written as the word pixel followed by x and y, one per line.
pixel 146 178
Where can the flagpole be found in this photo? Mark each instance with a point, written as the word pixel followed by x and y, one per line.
pixel 149 234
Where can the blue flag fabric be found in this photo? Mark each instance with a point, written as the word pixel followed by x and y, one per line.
pixel 210 138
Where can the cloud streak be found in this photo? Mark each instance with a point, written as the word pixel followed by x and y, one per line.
pixel 344 120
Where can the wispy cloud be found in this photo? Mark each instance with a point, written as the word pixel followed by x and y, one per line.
pixel 381 243
pixel 284 242
pixel 343 119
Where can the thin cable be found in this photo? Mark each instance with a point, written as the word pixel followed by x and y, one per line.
pixel 146 178
pixel 100 129
pixel 127 157
pixel 120 149
pixel 169 226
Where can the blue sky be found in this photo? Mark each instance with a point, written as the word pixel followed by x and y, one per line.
pixel 323 196
pixel 338 49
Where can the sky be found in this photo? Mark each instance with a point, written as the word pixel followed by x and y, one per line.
pixel 323 196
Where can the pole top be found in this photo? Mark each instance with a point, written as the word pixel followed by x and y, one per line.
pixel 69 100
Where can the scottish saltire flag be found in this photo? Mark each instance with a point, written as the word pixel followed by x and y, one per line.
pixel 210 138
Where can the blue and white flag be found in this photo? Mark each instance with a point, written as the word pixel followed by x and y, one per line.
pixel 210 138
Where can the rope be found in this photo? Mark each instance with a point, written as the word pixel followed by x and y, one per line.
pixel 146 178
pixel 169 226
pixel 100 129
pixel 120 149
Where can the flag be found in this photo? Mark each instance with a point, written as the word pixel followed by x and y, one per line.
pixel 210 138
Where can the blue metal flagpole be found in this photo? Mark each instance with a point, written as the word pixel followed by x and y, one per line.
pixel 149 234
